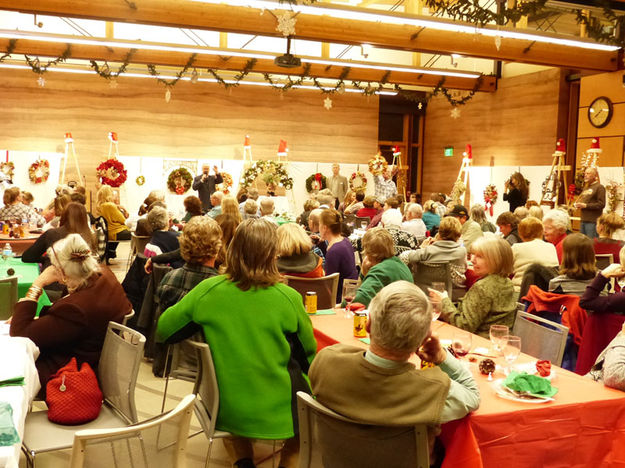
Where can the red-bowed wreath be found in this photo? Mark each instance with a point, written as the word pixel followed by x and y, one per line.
pixel 111 172
pixel 316 182
pixel 39 171
pixel 490 197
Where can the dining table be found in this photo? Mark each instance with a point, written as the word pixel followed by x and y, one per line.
pixel 26 273
pixel 23 353
pixel 21 244
pixel 583 426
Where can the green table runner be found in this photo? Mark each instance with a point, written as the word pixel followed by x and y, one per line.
pixel 26 273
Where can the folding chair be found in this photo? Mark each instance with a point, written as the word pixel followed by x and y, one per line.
pixel 326 288
pixel 540 338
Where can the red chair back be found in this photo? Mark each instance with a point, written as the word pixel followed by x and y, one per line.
pixel 599 330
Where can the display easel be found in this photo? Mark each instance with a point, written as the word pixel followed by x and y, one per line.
pixel 247 151
pixel 402 171
pixel 557 176
pixel 69 145
pixel 113 146
pixel 463 173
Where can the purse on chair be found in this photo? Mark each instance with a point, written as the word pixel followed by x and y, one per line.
pixel 73 396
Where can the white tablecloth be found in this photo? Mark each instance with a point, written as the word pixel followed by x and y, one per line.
pixel 18 359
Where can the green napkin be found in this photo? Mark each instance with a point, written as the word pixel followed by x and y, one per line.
pixel 530 384
pixel 8 433
pixel 365 340
pixel 325 312
pixel 15 381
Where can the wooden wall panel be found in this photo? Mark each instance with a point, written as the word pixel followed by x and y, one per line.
pixel 516 125
pixel 612 135
pixel 201 121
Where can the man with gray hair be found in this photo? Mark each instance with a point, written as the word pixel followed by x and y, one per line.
pixel 591 202
pixel 326 199
pixel 380 386
pixel 555 223
pixel 216 198
pixel 252 194
pixel 267 209
pixel 414 224
pixel 337 184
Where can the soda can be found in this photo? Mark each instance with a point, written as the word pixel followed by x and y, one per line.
pixel 311 302
pixel 360 322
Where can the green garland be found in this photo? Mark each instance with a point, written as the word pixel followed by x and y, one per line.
pixel 595 28
pixel 41 69
pixel 322 182
pixel 177 175
pixel 105 71
pixel 471 12
pixel 171 83
pixel 271 171
pixel 10 49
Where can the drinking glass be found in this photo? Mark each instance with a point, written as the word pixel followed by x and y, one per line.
pixel 363 224
pixel 498 336
pixel 436 308
pixel 461 342
pixel 349 292
pixel 512 349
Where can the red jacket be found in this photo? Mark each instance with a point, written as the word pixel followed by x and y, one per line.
pixel 573 316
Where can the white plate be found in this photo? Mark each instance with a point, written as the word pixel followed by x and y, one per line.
pixel 501 392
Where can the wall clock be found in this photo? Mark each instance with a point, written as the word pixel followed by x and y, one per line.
pixel 600 112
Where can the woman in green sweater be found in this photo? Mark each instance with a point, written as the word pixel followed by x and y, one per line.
pixel 380 266
pixel 491 300
pixel 261 340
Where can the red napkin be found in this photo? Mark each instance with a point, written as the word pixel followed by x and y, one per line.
pixel 543 368
pixel 356 307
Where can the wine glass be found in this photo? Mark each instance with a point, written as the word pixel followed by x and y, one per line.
pixel 461 342
pixel 436 307
pixel 511 349
pixel 363 224
pixel 349 292
pixel 498 336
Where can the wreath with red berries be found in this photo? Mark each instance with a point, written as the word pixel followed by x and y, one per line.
pixel 39 171
pixel 316 182
pixel 179 181
pixel 111 172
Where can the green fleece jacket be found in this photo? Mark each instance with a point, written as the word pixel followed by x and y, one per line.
pixel 386 272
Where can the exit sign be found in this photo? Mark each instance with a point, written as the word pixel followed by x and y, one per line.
pixel 449 151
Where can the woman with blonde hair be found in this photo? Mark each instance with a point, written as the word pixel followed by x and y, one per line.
pixel 478 214
pixel 607 226
pixel 380 266
pixel 295 255
pixel 533 250
pixel 430 217
pixel 259 372
pixel 75 325
pixel 109 210
pixel 229 206
pixel 536 211
pixel 492 299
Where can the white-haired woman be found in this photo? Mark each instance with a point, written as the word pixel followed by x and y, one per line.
pixel 556 223
pixel 163 240
pixel 492 299
pixel 75 325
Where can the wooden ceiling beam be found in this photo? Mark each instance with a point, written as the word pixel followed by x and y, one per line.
pixel 325 28
pixel 223 61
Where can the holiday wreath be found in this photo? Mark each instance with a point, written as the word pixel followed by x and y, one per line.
pixel 179 181
pixel 227 182
pixel 378 164
pixel 39 171
pixel 111 172
pixel 316 181
pixel 490 197
pixel 358 181
pixel 7 169
pixel 273 172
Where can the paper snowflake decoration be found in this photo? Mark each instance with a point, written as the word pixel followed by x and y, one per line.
pixel 286 24
pixel 41 81
pixel 420 106
pixel 327 103
pixel 498 42
pixel 455 113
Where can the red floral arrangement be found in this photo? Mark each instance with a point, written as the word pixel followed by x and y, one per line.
pixel 111 172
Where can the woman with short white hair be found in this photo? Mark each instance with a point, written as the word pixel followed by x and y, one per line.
pixel 414 223
pixel 492 299
pixel 163 240
pixel 556 222
pixel 75 325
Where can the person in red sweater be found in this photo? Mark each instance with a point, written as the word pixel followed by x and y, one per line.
pixel 368 211
pixel 556 223
pixel 607 225
pixel 295 256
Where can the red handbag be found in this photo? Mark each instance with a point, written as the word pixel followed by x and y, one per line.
pixel 73 396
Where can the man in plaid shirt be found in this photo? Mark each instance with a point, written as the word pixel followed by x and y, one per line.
pixel 384 186
pixel 15 209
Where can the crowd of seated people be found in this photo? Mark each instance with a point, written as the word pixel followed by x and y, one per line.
pixel 234 258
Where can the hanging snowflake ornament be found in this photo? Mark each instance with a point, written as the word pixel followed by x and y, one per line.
pixel 498 42
pixel 420 105
pixel 455 113
pixel 327 103
pixel 167 95
pixel 194 76
pixel 41 81
pixel 113 83
pixel 286 24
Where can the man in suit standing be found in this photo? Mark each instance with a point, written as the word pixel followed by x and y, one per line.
pixel 337 184
pixel 205 185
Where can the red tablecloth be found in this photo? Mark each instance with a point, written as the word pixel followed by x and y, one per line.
pixel 583 427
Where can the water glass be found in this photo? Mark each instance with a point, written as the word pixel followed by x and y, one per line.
pixel 436 307
pixel 498 336
pixel 461 342
pixel 512 349
pixel 363 225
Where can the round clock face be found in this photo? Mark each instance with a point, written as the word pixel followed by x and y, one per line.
pixel 600 112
